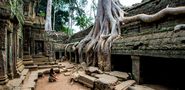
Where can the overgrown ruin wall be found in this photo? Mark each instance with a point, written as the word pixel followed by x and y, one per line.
pixel 149 39
pixel 152 39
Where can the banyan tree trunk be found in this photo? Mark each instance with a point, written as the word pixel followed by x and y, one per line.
pixel 97 44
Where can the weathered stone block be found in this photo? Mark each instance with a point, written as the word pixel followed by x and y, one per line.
pixel 124 85
pixel 140 87
pixel 121 75
pixel 86 80
pixel 105 82
pixel 91 70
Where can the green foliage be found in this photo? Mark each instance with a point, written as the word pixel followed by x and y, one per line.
pixel 65 13
pixel 67 30
pixel 17 10
pixel 83 21
pixel 42 14
pixel 41 8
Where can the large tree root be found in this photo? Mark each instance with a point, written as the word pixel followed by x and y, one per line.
pixel 151 18
pixel 97 44
pixel 95 48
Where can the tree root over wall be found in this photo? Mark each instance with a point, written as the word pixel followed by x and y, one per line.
pixel 96 46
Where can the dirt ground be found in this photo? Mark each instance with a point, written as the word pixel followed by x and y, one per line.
pixel 63 83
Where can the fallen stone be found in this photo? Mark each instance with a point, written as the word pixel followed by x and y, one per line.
pixel 63 70
pixel 69 66
pixel 91 70
pixel 67 74
pixel 86 80
pixel 139 87
pixel 124 85
pixel 83 65
pixel 157 87
pixel 69 70
pixel 105 82
pixel 25 72
pixel 122 75
pixel 61 66
pixel 75 76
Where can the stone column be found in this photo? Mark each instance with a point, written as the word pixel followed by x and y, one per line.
pixel 136 68
pixel 10 55
pixel 76 56
pixel 3 54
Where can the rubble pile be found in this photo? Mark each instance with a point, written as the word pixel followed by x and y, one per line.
pixel 96 79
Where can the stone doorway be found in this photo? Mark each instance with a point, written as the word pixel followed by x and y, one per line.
pixel 57 55
pixel 162 71
pixel 39 47
pixel 121 63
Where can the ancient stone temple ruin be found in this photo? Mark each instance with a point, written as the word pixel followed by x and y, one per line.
pixel 146 52
pixel 153 52
pixel 21 45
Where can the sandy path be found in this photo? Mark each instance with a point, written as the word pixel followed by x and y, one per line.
pixel 62 83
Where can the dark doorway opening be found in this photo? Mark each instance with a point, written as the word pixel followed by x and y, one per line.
pixel 121 63
pixel 163 71
pixel 39 46
pixel 72 57
pixel 57 56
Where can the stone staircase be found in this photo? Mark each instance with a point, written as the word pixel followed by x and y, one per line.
pixel 42 60
pixel 37 62
pixel 19 66
pixel 27 60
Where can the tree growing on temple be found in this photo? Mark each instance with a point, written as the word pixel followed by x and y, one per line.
pixel 106 29
pixel 96 46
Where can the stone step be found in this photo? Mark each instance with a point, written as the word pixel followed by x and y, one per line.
pixel 19 63
pixel 27 56
pixel 47 66
pixel 40 59
pixel 121 75
pixel 47 70
pixel 30 84
pixel 20 68
pixel 44 63
pixel 25 72
pixel 27 59
pixel 28 63
pixel 141 87
pixel 124 85
pixel 32 67
pixel 105 82
pixel 86 80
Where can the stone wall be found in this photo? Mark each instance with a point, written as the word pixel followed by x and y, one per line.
pixel 153 6
pixel 168 44
pixel 3 50
pixel 80 35
pixel 152 39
